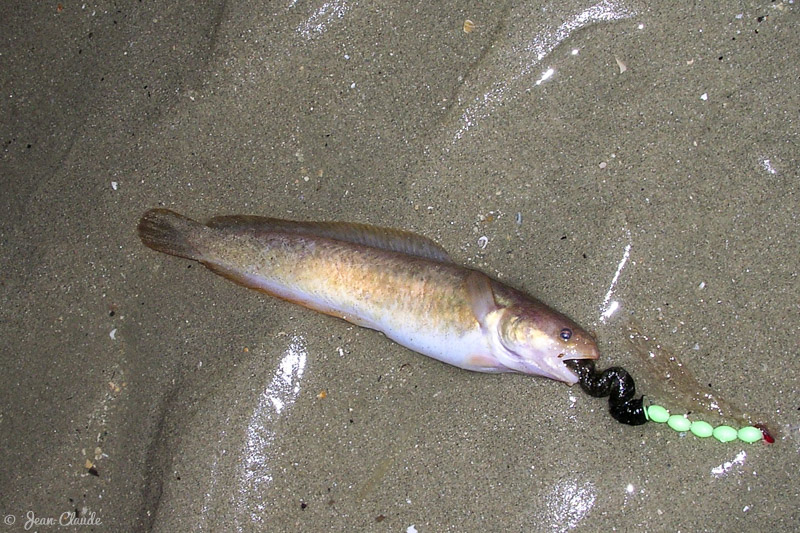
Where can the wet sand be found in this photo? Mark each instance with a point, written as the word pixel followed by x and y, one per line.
pixel 587 153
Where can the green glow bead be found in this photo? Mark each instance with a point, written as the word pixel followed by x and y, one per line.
pixel 679 423
pixel 749 434
pixel 725 433
pixel 701 429
pixel 656 413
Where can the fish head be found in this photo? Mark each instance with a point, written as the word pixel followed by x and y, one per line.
pixel 537 340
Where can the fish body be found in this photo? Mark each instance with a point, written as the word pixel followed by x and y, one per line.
pixel 396 282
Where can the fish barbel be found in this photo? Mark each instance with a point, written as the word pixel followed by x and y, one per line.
pixel 396 282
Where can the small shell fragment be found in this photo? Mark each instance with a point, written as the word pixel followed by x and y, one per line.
pixel 468 26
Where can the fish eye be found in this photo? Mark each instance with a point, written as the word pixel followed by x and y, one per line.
pixel 566 334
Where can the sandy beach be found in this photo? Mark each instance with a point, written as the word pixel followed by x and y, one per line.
pixel 621 162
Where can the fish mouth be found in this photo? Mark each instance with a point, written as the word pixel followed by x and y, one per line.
pixel 562 372
pixel 569 361
pixel 559 370
pixel 579 355
pixel 552 368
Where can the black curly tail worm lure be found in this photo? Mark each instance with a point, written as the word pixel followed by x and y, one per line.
pixel 614 382
pixel 617 384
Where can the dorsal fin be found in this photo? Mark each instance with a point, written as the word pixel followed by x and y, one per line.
pixel 393 240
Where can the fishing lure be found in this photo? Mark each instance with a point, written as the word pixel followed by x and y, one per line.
pixel 618 385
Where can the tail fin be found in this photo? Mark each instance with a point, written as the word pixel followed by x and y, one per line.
pixel 167 231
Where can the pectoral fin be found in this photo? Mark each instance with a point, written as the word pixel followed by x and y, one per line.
pixel 481 296
pixel 484 363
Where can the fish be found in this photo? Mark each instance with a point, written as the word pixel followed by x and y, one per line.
pixel 393 281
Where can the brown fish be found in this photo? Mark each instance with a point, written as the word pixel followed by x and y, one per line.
pixel 396 282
